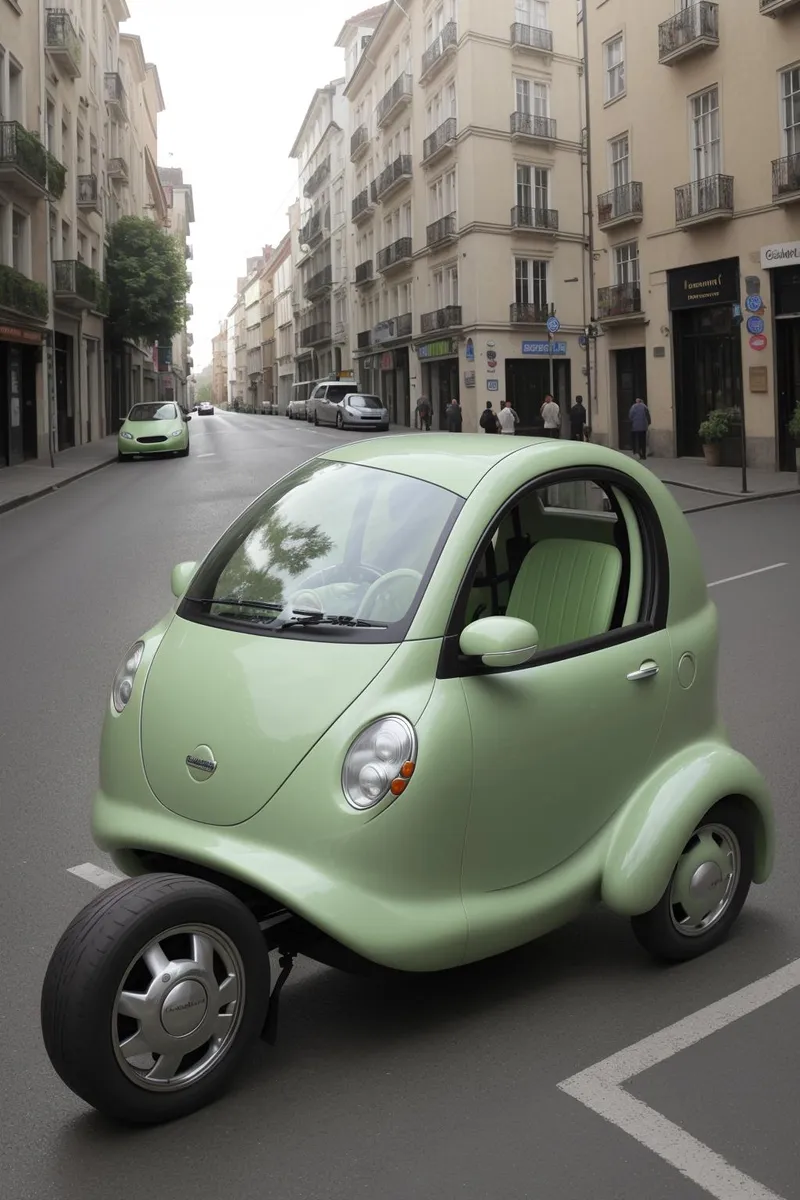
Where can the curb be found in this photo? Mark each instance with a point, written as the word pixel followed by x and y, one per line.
pixel 19 501
pixel 738 499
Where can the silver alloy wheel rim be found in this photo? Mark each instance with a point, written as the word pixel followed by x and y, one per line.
pixel 705 880
pixel 175 1031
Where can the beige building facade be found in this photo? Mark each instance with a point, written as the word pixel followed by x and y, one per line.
pixel 219 367
pixel 695 129
pixel 175 375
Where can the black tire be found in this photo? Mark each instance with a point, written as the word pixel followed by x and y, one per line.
pixel 316 418
pixel 656 931
pixel 90 964
pixel 121 457
pixel 339 421
pixel 185 453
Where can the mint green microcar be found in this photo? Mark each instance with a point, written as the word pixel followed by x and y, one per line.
pixel 152 429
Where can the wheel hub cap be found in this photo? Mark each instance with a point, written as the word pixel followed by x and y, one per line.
pixel 705 880
pixel 184 1008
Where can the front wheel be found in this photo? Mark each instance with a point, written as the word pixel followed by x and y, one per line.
pixel 339 421
pixel 152 997
pixel 707 890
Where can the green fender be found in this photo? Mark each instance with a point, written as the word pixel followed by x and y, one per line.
pixel 653 828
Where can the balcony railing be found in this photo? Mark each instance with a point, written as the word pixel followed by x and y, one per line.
pixel 118 169
pixel 620 205
pixel 529 314
pixel 364 339
pixel 692 29
pixel 313 335
pixel 531 37
pixel 365 273
pixel 393 176
pixel 364 203
pixel 786 179
pixel 312 229
pixel 620 300
pixel 318 178
pixel 115 96
pixel 543 219
pixel 394 255
pixel 89 198
pixel 440 140
pixel 397 97
pixel 528 125
pixel 320 282
pixel 441 318
pixel 23 159
pixel 703 200
pixel 21 295
pixel 189 309
pixel 76 284
pixel 62 42
pixel 443 45
pixel 773 8
pixel 359 143
pixel 189 251
pixel 442 231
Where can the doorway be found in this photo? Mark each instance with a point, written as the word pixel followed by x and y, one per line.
pixel 527 384
pixel 65 405
pixel 631 366
pixel 787 349
pixel 708 370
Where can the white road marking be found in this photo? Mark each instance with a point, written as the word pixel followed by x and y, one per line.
pixel 601 1088
pixel 96 875
pixel 748 574
pixel 209 455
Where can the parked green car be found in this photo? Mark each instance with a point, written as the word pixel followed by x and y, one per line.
pixel 154 428
pixel 420 705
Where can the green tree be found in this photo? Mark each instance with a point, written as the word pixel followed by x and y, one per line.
pixel 146 277
pixel 204 393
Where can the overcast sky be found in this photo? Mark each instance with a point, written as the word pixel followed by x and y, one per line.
pixel 237 78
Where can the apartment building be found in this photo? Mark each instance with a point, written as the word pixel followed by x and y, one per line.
pixel 252 319
pixel 235 395
pixel 219 366
pixel 467 217
pixel 269 362
pixel 287 307
pixel 175 371
pixel 323 340
pixel 695 128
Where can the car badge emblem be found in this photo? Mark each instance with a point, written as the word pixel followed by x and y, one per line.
pixel 201 764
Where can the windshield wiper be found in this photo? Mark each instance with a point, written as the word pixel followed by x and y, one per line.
pixel 294 617
pixel 231 602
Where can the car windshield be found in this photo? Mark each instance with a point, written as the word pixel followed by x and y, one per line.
pixel 153 412
pixel 335 549
pixel 364 402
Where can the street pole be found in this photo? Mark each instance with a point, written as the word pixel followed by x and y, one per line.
pixel 48 358
pixel 589 211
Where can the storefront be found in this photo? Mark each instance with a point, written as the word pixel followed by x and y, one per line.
pixel 707 346
pixel 440 376
pixel 783 264
pixel 20 356
pixel 543 368
pixel 394 387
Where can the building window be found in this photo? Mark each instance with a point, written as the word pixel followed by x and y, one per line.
pixel 532 99
pixel 445 287
pixel 533 13
pixel 533 187
pixel 790 92
pixel 620 162
pixel 706 142
pixel 443 196
pixel 19 248
pixel 615 67
pixel 626 264
pixel 16 92
pixel 530 282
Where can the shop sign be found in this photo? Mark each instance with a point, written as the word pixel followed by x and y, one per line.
pixel 544 347
pixel 10 333
pixel 470 350
pixel 469 379
pixel 758 342
pixel 783 254
pixel 705 284
pixel 493 385
pixel 445 348
pixel 387 361
pixel 383 332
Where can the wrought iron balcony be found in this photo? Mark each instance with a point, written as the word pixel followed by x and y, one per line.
pixel 529 314
pixel 320 282
pixel 312 231
pixel 441 318
pixel 692 29
pixel 543 220
pixel 443 231
pixel 118 169
pixel 189 251
pixel 704 200
pixel 359 143
pixel 189 311
pixel 531 37
pixel 314 335
pixel 786 179
pixel 528 125
pixel 774 8
pixel 364 339
pixel 318 178
pixel 75 285
pixel 364 203
pixel 89 198
pixel 23 159
pixel 620 206
pixel 189 281
pixel 62 42
pixel 441 140
pixel 116 98
pixel 18 294
pixel 622 301
pixel 395 255
pixel 397 97
pixel 394 176
pixel 365 273
pixel 440 49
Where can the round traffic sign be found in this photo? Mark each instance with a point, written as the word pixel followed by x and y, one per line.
pixel 754 304
pixel 553 325
pixel 755 325
pixel 583 341
pixel 758 342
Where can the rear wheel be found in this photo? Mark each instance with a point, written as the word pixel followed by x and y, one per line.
pixel 152 997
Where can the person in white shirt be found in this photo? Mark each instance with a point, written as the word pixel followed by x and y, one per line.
pixel 508 418
pixel 551 415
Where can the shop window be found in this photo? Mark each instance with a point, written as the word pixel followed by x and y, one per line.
pixel 614 52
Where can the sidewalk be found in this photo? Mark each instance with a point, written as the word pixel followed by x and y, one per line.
pixel 30 480
pixel 696 484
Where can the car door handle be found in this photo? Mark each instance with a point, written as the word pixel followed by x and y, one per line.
pixel 648 670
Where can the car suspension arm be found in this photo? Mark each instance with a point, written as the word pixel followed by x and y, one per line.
pixel 270 1031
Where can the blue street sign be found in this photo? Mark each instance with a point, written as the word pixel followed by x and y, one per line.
pixel 493 385
pixel 553 325
pixel 754 304
pixel 583 341
pixel 544 347
pixel 755 325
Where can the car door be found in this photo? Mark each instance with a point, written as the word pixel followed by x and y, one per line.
pixel 561 744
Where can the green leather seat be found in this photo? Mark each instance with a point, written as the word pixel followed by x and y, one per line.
pixel 567 589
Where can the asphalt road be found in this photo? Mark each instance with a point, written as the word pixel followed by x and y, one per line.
pixel 442 1087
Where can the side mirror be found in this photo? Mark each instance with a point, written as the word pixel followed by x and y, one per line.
pixel 122 420
pixel 188 416
pixel 181 577
pixel 500 641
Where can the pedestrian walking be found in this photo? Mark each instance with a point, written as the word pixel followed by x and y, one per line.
pixel 489 422
pixel 454 418
pixel 640 423
pixel 508 418
pixel 424 413
pixel 577 420
pixel 551 415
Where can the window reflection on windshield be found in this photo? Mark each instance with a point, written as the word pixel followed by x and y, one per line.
pixel 364 402
pixel 153 412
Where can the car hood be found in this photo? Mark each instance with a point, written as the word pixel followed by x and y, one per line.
pixel 253 705
pixel 141 429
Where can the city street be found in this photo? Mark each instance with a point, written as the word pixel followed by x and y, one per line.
pixel 430 1088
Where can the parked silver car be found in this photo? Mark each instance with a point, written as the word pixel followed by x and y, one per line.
pixel 361 411
pixel 324 400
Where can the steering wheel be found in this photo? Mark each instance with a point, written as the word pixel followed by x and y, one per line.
pixel 366 610
pixel 342 573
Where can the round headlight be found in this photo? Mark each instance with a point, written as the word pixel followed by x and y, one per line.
pixel 380 762
pixel 122 688
pixel 175 433
pixel 128 436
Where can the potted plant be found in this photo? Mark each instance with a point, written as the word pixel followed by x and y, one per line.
pixel 793 429
pixel 713 432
